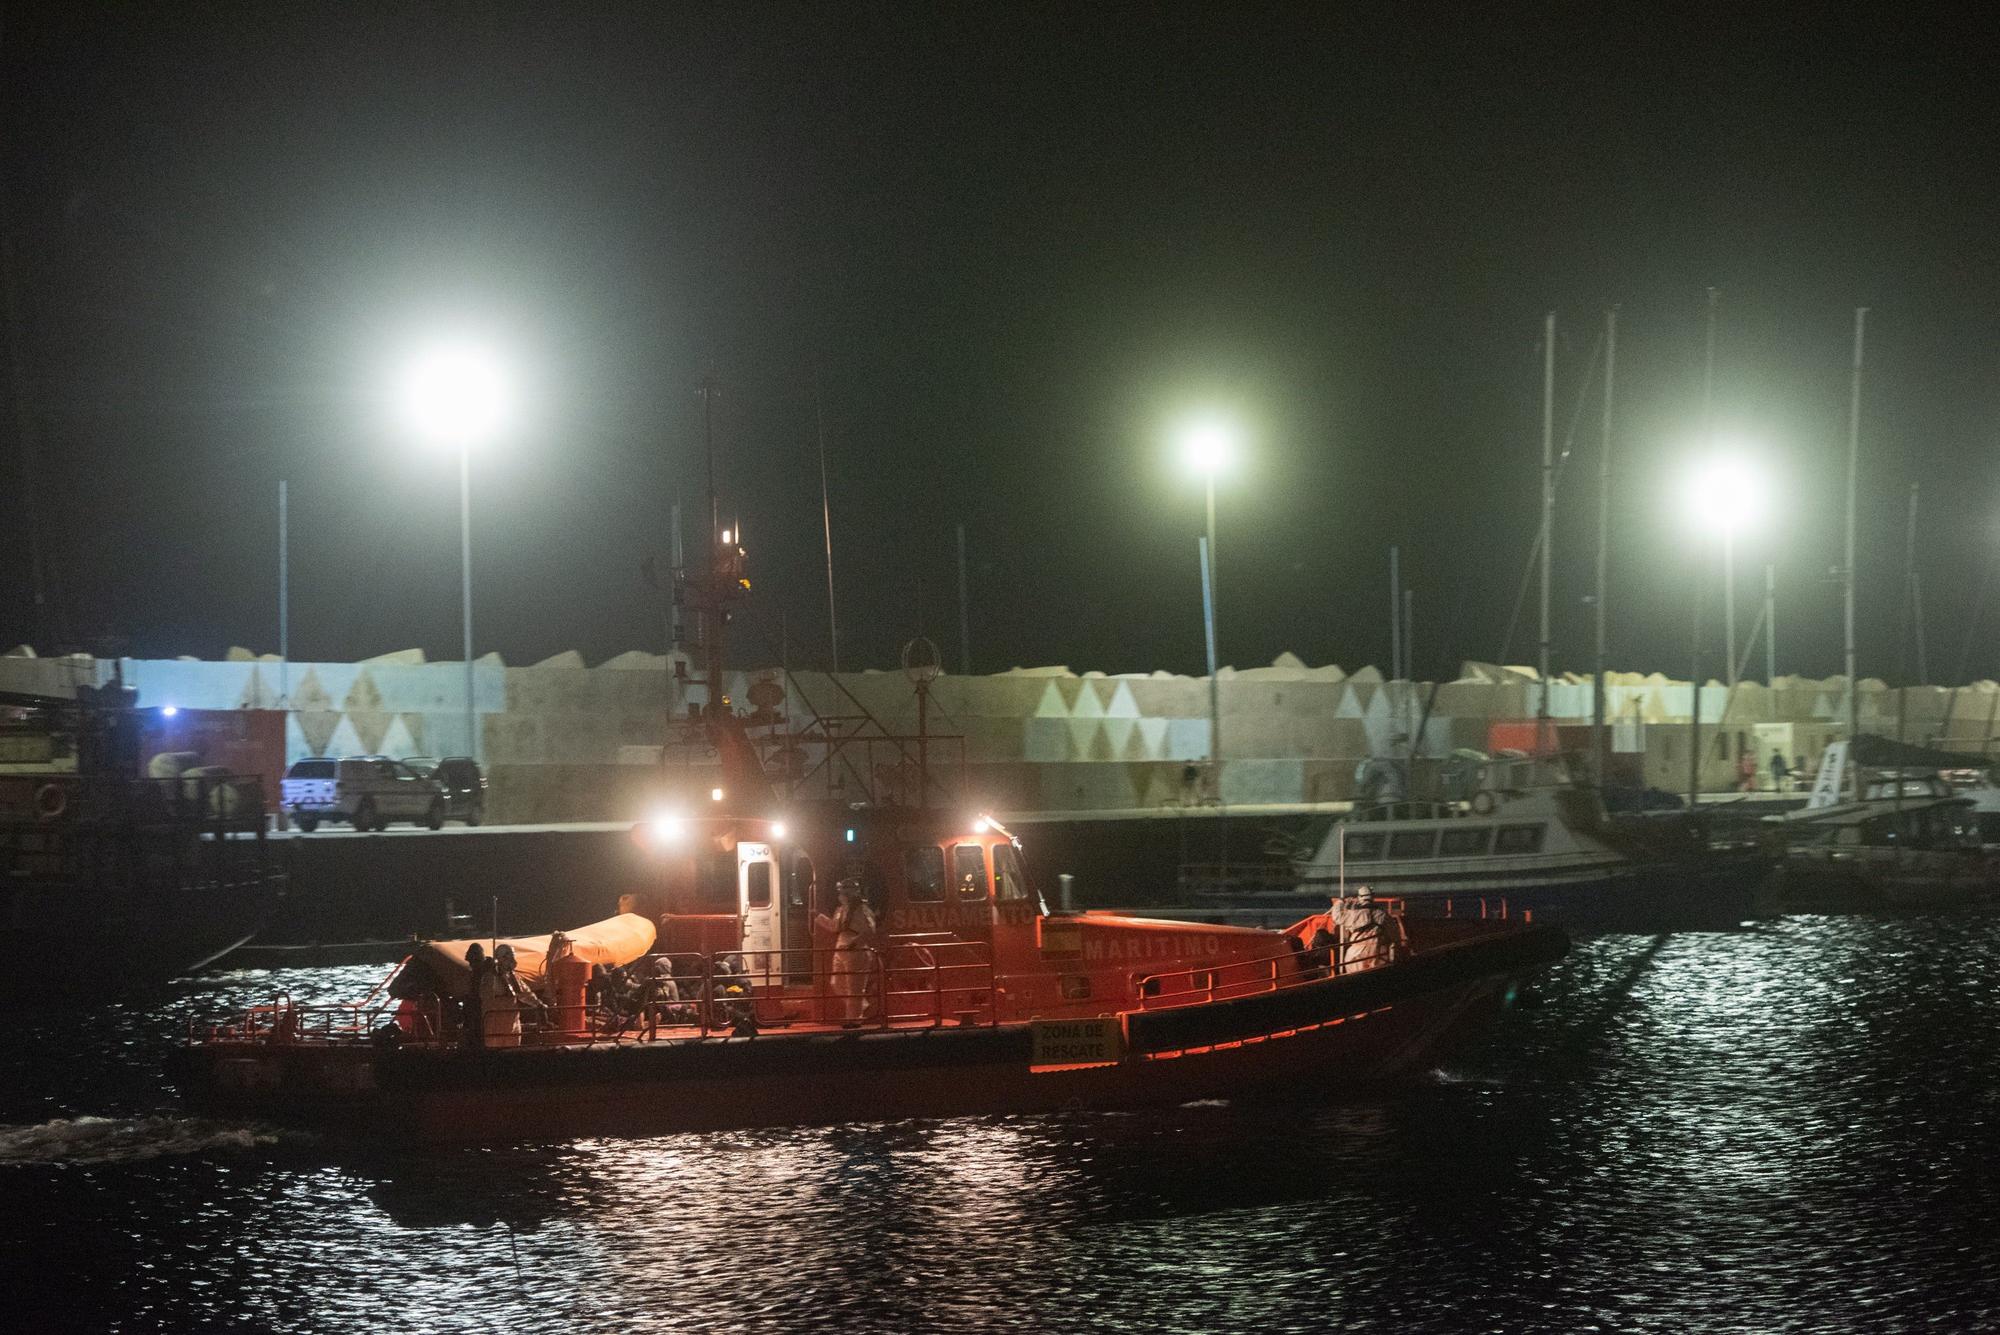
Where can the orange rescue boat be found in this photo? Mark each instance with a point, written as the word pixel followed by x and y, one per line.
pixel 739 993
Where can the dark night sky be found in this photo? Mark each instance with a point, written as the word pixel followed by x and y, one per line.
pixel 1012 243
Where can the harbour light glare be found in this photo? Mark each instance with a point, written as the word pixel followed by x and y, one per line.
pixel 454 394
pixel 1725 494
pixel 1209 444
pixel 665 827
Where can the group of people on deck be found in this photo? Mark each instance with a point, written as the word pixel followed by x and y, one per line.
pixel 497 998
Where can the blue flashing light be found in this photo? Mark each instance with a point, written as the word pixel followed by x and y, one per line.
pixel 850 834
pixel 168 711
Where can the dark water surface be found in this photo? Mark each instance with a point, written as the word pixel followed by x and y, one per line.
pixel 1787 1127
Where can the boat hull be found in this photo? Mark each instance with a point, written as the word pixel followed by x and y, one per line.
pixel 1872 878
pixel 1309 1041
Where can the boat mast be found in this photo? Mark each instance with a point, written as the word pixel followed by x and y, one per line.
pixel 1913 610
pixel 1847 569
pixel 711 633
pixel 1600 757
pixel 1694 621
pixel 25 439
pixel 1548 512
pixel 826 523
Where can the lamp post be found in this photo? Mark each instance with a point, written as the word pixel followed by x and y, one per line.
pixel 1725 496
pixel 455 397
pixel 1208 446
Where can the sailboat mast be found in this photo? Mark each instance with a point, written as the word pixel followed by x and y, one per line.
pixel 1548 512
pixel 1847 568
pixel 1599 752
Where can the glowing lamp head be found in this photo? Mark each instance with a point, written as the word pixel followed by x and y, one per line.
pixel 168 711
pixel 664 828
pixel 1725 495
pixel 777 829
pixel 1208 445
pixel 715 794
pixel 454 394
pixel 981 825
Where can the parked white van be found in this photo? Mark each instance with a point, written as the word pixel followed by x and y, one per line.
pixel 366 791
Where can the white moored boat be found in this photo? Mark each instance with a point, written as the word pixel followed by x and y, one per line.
pixel 1535 843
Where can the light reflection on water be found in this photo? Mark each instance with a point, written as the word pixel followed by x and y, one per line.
pixel 1790 1127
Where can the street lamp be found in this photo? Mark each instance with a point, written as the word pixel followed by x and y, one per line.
pixel 1725 495
pixel 456 396
pixel 1208 446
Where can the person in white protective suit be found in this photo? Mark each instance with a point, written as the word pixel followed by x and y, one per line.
pixel 853 928
pixel 500 1000
pixel 1368 931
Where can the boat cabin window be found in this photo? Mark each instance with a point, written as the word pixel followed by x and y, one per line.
pixel 923 873
pixel 757 885
pixel 714 882
pixel 799 893
pixel 1465 843
pixel 1412 843
pixel 1364 846
pixel 1007 873
pixel 968 871
pixel 1518 839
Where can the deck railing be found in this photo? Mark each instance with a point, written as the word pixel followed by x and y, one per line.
pixel 903 985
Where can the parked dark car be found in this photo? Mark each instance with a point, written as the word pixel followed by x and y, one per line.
pixel 463 784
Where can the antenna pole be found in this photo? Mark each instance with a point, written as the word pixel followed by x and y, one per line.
pixel 964 611
pixel 1395 615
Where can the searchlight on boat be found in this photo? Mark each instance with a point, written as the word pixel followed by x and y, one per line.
pixel 665 827
pixel 777 829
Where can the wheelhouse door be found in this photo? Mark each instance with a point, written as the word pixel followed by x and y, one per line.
pixel 763 915
pixel 797 929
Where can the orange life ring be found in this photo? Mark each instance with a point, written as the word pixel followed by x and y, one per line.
pixel 51 801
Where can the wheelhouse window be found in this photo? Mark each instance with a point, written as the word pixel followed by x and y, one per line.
pixel 1364 845
pixel 923 873
pixel 1518 839
pixel 1465 843
pixel 715 882
pixel 757 880
pixel 1412 843
pixel 1012 884
pixel 312 769
pixel 799 893
pixel 968 871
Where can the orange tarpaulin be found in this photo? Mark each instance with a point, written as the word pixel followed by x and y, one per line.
pixel 440 965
